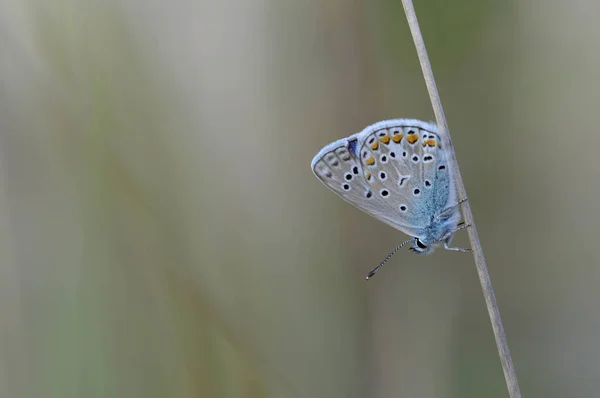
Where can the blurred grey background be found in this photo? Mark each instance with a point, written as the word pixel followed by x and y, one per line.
pixel 162 234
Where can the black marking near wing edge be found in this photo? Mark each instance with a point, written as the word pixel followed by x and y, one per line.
pixel 352 144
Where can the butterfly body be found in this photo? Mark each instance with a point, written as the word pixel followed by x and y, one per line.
pixel 399 172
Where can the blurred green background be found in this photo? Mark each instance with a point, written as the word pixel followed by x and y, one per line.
pixel 162 234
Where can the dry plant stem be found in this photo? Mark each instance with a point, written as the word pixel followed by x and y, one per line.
pixel 484 277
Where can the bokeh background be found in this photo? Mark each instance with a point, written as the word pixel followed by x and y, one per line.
pixel 162 234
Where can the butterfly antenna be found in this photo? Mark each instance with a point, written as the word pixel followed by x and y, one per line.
pixel 385 260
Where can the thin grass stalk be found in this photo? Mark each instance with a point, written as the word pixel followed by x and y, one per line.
pixel 484 277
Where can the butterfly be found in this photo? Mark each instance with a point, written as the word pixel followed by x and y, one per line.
pixel 398 171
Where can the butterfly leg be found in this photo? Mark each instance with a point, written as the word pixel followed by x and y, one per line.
pixel 449 209
pixel 457 249
pixel 462 225
pixel 448 240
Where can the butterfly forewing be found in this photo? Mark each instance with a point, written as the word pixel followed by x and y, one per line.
pixel 338 167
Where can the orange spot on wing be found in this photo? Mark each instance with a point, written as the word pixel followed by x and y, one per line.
pixel 368 175
pixel 370 161
pixel 439 144
pixel 412 138
pixel 385 139
pixel 375 145
pixel 431 143
pixel 397 138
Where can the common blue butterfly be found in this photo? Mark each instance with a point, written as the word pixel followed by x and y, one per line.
pixel 399 172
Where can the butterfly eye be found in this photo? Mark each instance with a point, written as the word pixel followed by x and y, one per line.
pixel 420 244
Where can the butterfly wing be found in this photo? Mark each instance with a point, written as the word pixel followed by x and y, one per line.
pixel 338 167
pixel 394 170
